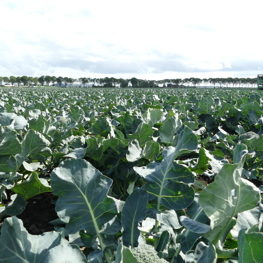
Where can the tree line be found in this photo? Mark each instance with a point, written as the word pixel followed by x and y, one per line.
pixel 122 83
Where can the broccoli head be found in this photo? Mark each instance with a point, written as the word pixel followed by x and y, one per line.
pixel 147 254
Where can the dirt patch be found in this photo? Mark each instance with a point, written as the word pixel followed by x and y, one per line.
pixel 40 210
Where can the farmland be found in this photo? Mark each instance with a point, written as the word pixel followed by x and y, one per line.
pixel 86 175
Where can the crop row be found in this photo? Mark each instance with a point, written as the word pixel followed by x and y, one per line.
pixel 179 170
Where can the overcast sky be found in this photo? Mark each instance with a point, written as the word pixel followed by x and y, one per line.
pixel 146 39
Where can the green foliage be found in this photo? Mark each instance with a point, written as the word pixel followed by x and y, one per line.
pixel 134 211
pixel 17 245
pixel 32 186
pixel 83 203
pixel 169 168
pixel 250 246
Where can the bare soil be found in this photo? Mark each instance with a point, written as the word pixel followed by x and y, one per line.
pixel 40 210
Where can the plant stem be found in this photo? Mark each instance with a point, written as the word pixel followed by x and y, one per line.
pixel 224 232
pixel 176 253
pixel 156 226
pixel 226 253
pixel 108 255
pixel 95 224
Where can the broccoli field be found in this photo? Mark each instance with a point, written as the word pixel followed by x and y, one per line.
pixel 93 175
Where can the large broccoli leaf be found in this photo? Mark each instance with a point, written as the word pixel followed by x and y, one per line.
pixel 250 246
pixel 83 203
pixel 133 212
pixel 167 182
pixel 227 196
pixel 17 246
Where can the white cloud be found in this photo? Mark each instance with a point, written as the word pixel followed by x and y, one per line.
pixel 138 38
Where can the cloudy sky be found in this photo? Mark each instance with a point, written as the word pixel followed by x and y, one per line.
pixel 146 39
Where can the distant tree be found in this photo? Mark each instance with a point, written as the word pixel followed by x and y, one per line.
pixel 204 81
pixel 108 85
pixel 187 81
pixel 6 79
pixel 68 80
pixel 71 81
pixel 48 79
pixel 100 81
pixel 198 81
pixel 95 81
pixel 123 83
pixel 212 81
pixel 244 82
pixel 24 80
pixel 2 79
pixel 34 81
pixel 161 83
pixel 83 81
pixel 166 81
pixel 12 80
pixel 89 80
pixel 142 84
pixel 254 81
pixel 18 80
pixel 30 81
pixel 237 82
pixel 220 82
pixel 177 82
pixel 53 80
pixel 195 81
pixel 114 81
pixel 227 81
pixel 152 84
pixel 106 82
pixel 232 82
pixel 41 80
pixel 134 82
pixel 59 80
